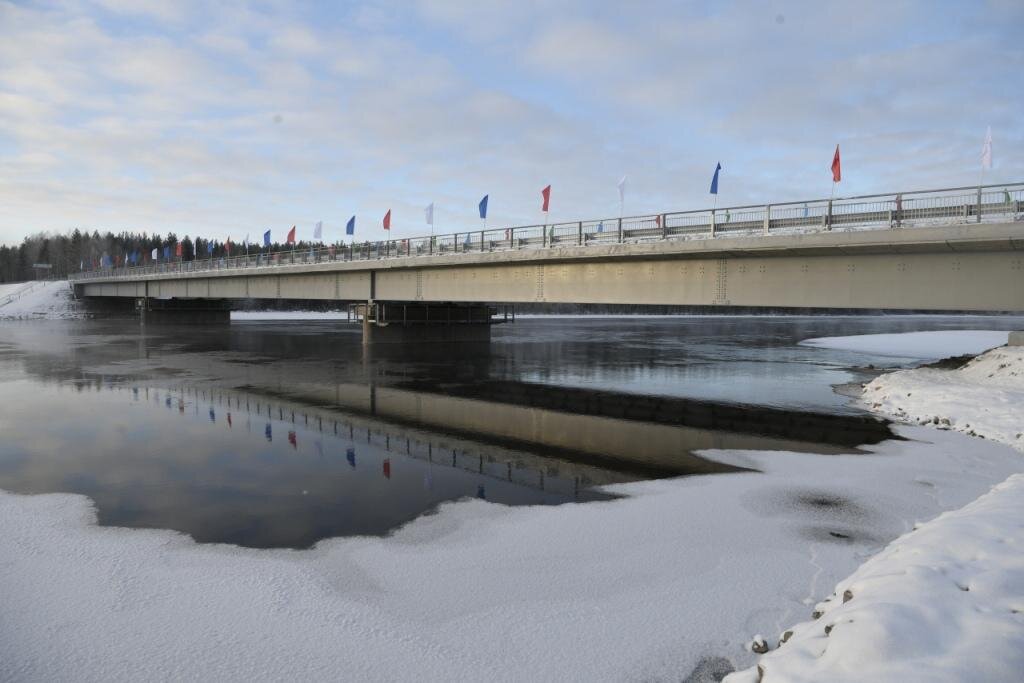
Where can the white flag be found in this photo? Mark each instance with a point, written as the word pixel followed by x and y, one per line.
pixel 318 231
pixel 154 254
pixel 622 190
pixel 986 149
pixel 245 242
pixel 429 212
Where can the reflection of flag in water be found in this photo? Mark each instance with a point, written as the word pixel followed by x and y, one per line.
pixel 229 420
pixel 181 405
pixel 319 448
pixel 428 479
pixel 168 401
pixel 350 455
pixel 292 439
pixel 387 468
pixel 480 493
pixel 135 393
pixel 268 433
pixel 213 416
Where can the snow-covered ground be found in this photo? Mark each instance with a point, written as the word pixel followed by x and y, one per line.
pixel 985 397
pixel 946 601
pixel 943 603
pixel 40 300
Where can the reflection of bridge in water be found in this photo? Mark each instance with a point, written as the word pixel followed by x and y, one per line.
pixel 525 432
pixel 490 460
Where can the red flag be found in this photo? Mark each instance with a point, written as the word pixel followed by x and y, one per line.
pixel 546 194
pixel 177 250
pixel 387 468
pixel 293 440
pixel 291 236
pixel 837 171
pixel 387 220
pixel 227 247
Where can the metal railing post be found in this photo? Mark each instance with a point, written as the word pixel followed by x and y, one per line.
pixel 978 219
pixel 828 216
pixel 664 226
pixel 579 233
pixel 620 231
pixel 481 240
pixel 767 218
pixel 712 222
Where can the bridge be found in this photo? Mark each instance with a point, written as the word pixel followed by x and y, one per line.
pixel 947 249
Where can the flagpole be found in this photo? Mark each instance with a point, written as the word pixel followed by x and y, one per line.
pixel 981 182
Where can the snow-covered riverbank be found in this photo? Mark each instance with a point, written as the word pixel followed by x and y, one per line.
pixel 944 602
pixel 38 300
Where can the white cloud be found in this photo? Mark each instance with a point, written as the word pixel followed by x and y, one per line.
pixel 233 117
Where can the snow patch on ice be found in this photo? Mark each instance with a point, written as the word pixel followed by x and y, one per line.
pixel 922 345
pixel 289 315
pixel 653 586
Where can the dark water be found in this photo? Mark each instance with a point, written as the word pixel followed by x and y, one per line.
pixel 282 434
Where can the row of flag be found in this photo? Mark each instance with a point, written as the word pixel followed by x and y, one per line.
pixel 350 227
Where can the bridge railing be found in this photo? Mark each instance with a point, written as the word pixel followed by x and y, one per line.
pixel 961 205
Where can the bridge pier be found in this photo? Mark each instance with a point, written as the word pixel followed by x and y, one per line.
pixel 418 322
pixel 183 311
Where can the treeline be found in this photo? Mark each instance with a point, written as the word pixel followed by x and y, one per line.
pixel 82 250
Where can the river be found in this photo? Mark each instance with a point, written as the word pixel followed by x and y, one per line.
pixel 280 434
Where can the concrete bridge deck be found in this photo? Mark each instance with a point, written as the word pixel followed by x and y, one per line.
pixel 959 252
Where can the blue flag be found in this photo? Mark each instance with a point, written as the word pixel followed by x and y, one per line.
pixel 167 253
pixel 266 238
pixel 209 247
pixel 483 206
pixel 350 455
pixel 714 180
pixel 350 227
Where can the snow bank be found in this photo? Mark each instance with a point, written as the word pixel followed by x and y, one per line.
pixel 650 587
pixel 943 603
pixel 984 398
pixel 41 300
pixel 922 345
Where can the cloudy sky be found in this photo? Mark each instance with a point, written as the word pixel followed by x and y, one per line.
pixel 221 119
